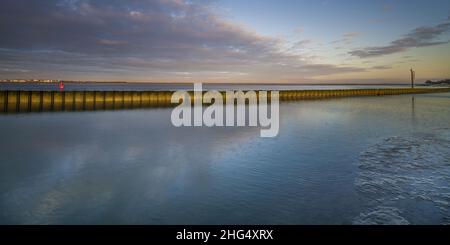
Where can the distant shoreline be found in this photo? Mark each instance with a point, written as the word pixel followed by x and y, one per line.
pixel 206 83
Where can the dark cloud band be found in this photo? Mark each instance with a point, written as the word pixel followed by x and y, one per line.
pixel 419 37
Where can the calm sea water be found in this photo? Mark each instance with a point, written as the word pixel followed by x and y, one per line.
pixel 370 160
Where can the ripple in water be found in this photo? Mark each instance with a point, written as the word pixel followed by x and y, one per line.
pixel 406 177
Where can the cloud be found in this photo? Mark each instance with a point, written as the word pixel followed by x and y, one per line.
pixel 382 67
pixel 419 37
pixel 299 30
pixel 141 39
pixel 111 42
pixel 351 34
pixel 347 38
pixel 301 44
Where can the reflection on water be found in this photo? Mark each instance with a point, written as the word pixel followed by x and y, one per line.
pixel 365 156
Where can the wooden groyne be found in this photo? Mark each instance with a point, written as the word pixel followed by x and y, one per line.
pixel 39 101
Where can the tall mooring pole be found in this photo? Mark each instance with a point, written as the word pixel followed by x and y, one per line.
pixel 413 77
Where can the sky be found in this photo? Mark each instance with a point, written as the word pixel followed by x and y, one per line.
pixel 226 41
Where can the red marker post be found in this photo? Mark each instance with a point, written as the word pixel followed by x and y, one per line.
pixel 61 85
